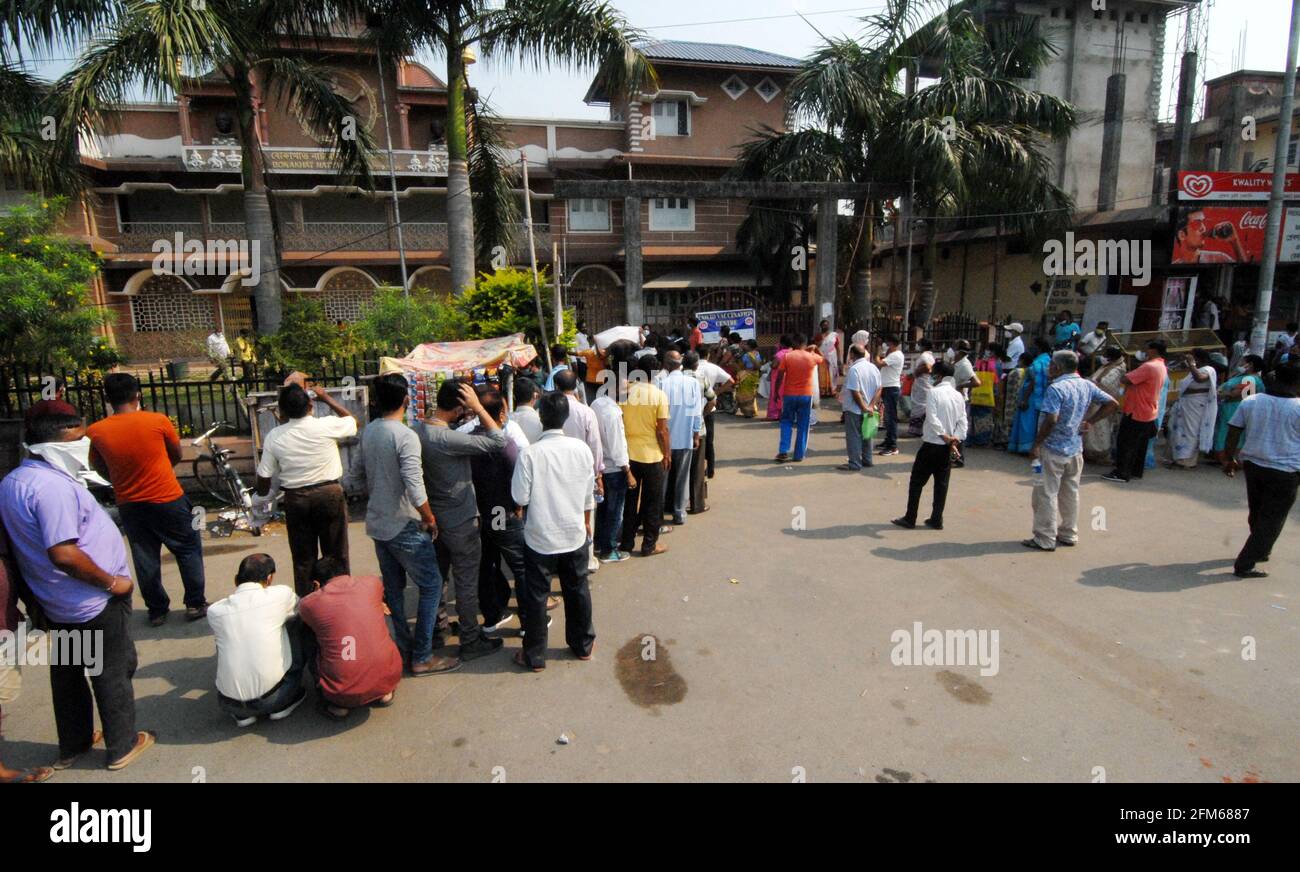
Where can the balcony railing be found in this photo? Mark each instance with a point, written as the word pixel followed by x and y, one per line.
pixel 141 236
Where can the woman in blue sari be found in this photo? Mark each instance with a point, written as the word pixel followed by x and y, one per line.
pixel 1031 399
pixel 1246 382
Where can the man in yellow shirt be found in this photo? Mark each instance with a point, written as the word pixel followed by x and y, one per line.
pixel 645 421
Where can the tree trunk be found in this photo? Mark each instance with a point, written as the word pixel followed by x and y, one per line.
pixel 926 296
pixel 460 207
pixel 259 221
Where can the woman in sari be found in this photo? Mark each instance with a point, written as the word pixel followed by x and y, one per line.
pixel 1244 384
pixel 1030 399
pixel 747 383
pixel 828 345
pixel 1099 441
pixel 776 379
pixel 1007 399
pixel 1191 422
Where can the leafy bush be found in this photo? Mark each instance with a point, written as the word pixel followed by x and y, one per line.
pixel 502 302
pixel 305 339
pixel 394 321
pixel 47 314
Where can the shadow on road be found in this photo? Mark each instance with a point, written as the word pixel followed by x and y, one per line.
pixel 841 531
pixel 1166 578
pixel 947 550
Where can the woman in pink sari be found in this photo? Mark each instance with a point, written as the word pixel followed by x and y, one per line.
pixel 776 380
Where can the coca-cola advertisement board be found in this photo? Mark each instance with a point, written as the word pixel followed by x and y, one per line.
pixel 1194 185
pixel 1219 234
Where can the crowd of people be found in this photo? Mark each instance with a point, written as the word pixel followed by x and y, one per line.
pixel 557 473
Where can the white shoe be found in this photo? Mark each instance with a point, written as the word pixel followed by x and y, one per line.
pixel 289 709
pixel 244 722
pixel 491 629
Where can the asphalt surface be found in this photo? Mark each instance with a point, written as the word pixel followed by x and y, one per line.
pixel 772 617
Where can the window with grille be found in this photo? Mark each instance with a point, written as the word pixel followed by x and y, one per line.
pixel 164 303
pixel 735 86
pixel 671 117
pixel 345 305
pixel 672 213
pixel 767 89
pixel 589 215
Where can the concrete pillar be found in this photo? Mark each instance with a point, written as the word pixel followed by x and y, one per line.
pixel 826 251
pixel 632 261
pixel 1112 135
pixel 1183 114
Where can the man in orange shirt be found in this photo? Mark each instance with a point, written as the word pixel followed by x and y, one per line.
pixel 1141 407
pixel 136 450
pixel 798 366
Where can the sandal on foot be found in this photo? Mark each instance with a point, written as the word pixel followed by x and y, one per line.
pixel 144 740
pixel 521 659
pixel 35 775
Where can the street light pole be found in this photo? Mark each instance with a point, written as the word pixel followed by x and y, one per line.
pixel 1273 229
pixel 392 174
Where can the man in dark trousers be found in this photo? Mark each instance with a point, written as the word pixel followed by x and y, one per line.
pixel 945 428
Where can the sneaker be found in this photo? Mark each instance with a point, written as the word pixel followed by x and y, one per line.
pixel 550 619
pixel 480 647
pixel 244 722
pixel 1112 476
pixel 886 452
pixel 490 629
pixel 288 710
pixel 616 557
pixel 781 458
pixel 194 613
pixel 904 523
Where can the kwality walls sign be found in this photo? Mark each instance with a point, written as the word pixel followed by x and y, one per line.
pixel 1233 186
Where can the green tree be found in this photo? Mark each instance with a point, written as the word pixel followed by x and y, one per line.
pixel 571 33
pixel 263 50
pixel 47 315
pixel 307 338
pixel 397 323
pixel 502 302
pixel 972 138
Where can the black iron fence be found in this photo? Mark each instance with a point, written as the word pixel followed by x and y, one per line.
pixel 194 404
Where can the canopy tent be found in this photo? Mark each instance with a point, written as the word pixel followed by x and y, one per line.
pixel 463 356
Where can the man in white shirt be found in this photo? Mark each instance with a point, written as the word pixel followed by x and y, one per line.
pixel 525 413
pixel 260 652
pixel 945 428
pixel 581 423
pixel 861 394
pixel 616 479
pixel 713 380
pixel 553 484
pixel 1089 343
pixel 1016 344
pixel 891 382
pixel 304 453
pixel 218 353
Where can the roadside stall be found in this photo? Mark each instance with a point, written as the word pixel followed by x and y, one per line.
pixel 480 360
pixel 1179 343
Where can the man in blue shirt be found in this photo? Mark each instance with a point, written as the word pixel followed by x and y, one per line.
pixel 685 423
pixel 1066 330
pixel 1058 445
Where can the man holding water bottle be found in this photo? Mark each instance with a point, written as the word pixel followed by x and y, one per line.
pixel 1058 451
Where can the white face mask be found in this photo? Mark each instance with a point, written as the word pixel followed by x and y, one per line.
pixel 1141 355
pixel 72 458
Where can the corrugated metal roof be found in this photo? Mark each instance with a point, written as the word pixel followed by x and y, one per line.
pixel 714 53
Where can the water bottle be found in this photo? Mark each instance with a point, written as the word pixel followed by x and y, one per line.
pixel 1036 471
pixel 600 497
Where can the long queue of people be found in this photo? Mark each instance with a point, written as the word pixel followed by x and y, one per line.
pixel 554 487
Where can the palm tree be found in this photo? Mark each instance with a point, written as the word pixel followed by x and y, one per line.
pixel 573 33
pixel 264 50
pixel 971 139
pixel 28 111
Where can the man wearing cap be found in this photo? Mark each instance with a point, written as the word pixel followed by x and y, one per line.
pixel 1015 345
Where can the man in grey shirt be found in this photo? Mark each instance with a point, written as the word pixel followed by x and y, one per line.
pixel 401 522
pixel 449 480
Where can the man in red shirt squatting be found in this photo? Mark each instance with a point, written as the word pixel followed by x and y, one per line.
pixel 356 663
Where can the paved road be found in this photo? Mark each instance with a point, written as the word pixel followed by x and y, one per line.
pixel 1124 653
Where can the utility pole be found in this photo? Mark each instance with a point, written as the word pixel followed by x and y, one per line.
pixel 392 174
pixel 907 273
pixel 532 254
pixel 1272 230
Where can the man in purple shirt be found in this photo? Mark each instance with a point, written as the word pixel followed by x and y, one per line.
pixel 72 558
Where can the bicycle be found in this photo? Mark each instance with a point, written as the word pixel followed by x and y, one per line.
pixel 215 475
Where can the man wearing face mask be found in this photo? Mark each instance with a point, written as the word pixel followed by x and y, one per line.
pixel 72 557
